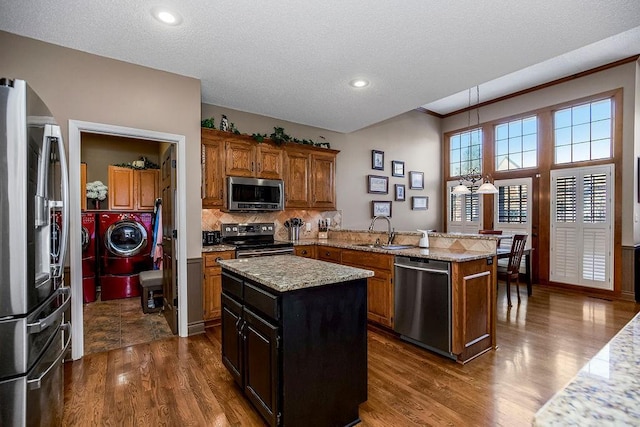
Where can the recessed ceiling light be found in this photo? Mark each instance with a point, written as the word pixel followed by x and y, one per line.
pixel 359 83
pixel 166 16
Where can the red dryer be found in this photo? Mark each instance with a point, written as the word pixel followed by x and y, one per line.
pixel 89 257
pixel 127 241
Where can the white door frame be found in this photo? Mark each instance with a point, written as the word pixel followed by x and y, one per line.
pixel 76 127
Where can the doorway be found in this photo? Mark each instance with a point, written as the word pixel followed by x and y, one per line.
pixel 76 129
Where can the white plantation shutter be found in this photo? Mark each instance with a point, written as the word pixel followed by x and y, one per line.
pixel 582 226
pixel 463 210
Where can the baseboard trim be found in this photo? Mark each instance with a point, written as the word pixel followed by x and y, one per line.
pixel 195 328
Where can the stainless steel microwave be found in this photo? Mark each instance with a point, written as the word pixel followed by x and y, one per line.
pixel 254 194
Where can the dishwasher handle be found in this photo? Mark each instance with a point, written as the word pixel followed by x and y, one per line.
pixel 428 270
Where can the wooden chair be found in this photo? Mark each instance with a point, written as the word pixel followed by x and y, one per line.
pixel 496 232
pixel 512 270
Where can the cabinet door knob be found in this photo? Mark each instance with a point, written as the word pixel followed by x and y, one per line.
pixel 251 166
pixel 218 258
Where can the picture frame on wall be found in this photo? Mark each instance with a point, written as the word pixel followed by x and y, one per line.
pixel 419 203
pixel 377 184
pixel 397 168
pixel 377 160
pixel 416 180
pixel 400 193
pixel 381 208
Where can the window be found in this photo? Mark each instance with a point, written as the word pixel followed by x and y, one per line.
pixel 465 152
pixel 583 132
pixel 512 204
pixel 517 144
pixel 464 210
pixel 581 251
pixel 512 208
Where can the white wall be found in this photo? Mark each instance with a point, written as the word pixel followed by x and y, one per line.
pixel 624 76
pixel 413 137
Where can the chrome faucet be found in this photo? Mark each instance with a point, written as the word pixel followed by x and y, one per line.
pixel 390 232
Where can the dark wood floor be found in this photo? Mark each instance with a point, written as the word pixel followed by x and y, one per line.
pixel 543 342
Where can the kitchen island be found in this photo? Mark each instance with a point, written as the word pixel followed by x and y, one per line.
pixel 294 337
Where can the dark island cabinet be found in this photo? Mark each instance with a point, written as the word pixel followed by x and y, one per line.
pixel 300 356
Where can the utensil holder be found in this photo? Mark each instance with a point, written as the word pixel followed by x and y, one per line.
pixel 294 233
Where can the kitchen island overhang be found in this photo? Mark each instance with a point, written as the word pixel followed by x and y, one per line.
pixel 294 337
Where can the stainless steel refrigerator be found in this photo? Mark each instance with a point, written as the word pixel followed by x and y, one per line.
pixel 34 225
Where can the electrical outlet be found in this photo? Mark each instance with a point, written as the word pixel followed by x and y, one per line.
pixel 328 222
pixel 308 226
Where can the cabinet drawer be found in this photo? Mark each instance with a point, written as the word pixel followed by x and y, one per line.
pixel 305 251
pixel 327 253
pixel 262 301
pixel 211 259
pixel 232 285
pixel 367 259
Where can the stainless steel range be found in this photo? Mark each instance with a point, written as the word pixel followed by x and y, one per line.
pixel 254 240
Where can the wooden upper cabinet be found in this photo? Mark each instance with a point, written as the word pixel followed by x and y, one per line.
pixel 248 158
pixel 212 170
pixel 83 186
pixel 308 172
pixel 240 158
pixel 296 181
pixel 120 192
pixel 310 178
pixel 146 188
pixel 132 189
pixel 323 175
pixel 269 162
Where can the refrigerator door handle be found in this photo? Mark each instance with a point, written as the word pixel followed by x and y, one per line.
pixel 42 324
pixel 36 383
pixel 57 268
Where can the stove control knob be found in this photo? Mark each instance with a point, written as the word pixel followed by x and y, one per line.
pixel 227 229
pixel 264 228
pixel 235 228
pixel 270 228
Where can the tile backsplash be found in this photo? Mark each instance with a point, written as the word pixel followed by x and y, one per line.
pixel 213 218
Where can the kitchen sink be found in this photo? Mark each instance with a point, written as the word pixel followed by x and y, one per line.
pixel 387 247
pixel 396 247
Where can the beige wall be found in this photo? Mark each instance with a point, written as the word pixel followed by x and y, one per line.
pixel 81 86
pixel 412 137
pixel 625 77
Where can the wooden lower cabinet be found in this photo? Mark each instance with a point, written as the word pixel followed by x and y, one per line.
pixel 278 351
pixel 474 307
pixel 307 251
pixel 212 284
pixel 379 287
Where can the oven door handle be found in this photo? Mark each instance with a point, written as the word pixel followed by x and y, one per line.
pixel 251 253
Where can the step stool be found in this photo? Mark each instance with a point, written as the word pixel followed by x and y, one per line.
pixel 151 281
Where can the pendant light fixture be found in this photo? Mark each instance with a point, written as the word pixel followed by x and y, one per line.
pixel 474 174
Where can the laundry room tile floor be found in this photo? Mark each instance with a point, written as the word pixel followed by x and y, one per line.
pixel 120 323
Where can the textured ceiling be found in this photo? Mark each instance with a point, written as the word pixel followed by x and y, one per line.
pixel 293 60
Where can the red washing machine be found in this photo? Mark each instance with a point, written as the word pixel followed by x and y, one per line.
pixel 89 257
pixel 127 243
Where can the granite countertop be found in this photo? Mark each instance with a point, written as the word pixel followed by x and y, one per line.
pixel 287 273
pixel 439 254
pixel 218 248
pixel 606 391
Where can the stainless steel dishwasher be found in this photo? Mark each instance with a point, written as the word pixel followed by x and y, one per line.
pixel 422 303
